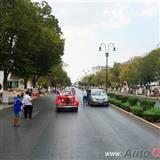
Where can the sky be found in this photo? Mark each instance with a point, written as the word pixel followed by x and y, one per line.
pixel 132 25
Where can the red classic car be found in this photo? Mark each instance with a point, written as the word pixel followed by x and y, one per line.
pixel 66 100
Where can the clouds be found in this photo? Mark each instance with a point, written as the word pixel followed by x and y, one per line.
pixel 104 15
pixel 132 25
pixel 149 9
pixel 117 16
pixel 93 16
pixel 101 14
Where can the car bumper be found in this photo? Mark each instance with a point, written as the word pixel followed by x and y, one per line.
pixel 66 106
pixel 104 103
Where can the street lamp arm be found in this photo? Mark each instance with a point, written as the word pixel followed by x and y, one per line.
pixel 105 47
pixel 111 45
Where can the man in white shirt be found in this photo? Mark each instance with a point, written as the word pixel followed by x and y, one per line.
pixel 27 106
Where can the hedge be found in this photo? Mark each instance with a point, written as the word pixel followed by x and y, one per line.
pixel 152 115
pixel 134 100
pixel 125 106
pixel 140 106
pixel 147 104
pixel 137 110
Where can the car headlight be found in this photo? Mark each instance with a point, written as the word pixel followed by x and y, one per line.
pixel 94 99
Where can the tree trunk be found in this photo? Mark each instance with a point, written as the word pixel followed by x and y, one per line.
pixel 25 83
pixel 5 96
pixel 34 81
pixel 5 85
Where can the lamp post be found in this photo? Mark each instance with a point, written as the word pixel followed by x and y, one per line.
pixel 106 50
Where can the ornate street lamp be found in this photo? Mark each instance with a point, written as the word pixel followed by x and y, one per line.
pixel 106 50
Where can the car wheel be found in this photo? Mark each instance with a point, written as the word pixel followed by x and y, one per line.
pixel 107 105
pixel 57 109
pixel 76 109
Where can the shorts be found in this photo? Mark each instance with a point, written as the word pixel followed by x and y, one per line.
pixel 18 114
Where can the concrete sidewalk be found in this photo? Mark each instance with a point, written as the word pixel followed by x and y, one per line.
pixel 4 106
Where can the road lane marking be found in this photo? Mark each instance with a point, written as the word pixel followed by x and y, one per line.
pixel 35 113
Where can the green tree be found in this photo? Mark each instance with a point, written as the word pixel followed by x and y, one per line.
pixel 30 40
pixel 58 77
pixel 17 28
pixel 116 71
pixel 150 68
pixel 114 78
pixel 133 75
pixel 51 45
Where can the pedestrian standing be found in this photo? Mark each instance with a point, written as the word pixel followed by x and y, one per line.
pixel 22 106
pixel 27 106
pixel 88 95
pixel 84 97
pixel 17 110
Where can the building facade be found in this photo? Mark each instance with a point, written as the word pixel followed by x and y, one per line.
pixel 97 69
pixel 14 82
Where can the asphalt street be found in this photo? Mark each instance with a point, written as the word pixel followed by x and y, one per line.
pixel 86 135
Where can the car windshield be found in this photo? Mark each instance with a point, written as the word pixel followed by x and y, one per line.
pixel 68 89
pixel 65 93
pixel 99 93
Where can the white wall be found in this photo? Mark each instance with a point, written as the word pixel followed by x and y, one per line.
pixel 29 84
pixel 2 75
pixel 1 79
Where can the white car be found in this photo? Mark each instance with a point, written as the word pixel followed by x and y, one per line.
pixel 98 97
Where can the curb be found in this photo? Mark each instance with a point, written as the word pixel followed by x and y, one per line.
pixel 136 117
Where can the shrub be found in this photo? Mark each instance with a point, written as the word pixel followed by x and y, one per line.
pixel 126 106
pixel 111 94
pixel 112 100
pixel 118 96
pixel 118 103
pixel 137 110
pixel 132 100
pixel 124 99
pixel 152 115
pixel 147 103
pixel 152 103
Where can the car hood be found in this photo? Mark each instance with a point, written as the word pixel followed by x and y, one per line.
pixel 99 97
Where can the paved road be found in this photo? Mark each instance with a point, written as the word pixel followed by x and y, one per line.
pixel 86 135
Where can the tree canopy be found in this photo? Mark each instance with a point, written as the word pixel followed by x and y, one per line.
pixel 136 71
pixel 31 40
